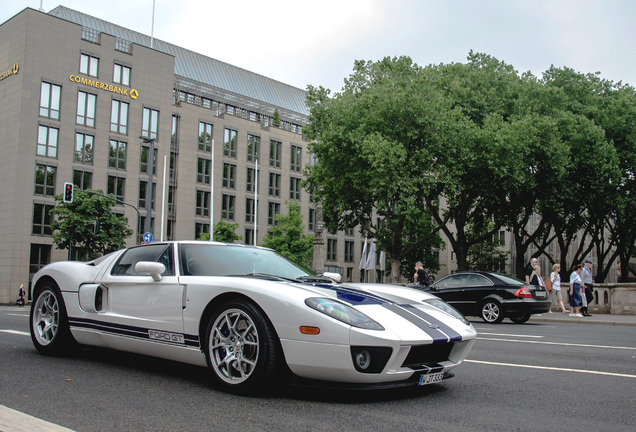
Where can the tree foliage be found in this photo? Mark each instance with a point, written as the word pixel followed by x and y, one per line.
pixel 287 237
pixel 75 224
pixel 469 149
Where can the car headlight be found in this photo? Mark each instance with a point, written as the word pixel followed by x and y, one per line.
pixel 440 304
pixel 343 312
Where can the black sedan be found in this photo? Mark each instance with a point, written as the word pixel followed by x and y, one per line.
pixel 491 296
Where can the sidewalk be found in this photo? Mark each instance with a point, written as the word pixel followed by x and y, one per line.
pixel 605 319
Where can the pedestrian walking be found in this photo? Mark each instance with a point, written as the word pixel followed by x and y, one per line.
pixel 555 277
pixel 420 276
pixel 575 291
pixel 530 269
pixel 587 287
pixel 536 278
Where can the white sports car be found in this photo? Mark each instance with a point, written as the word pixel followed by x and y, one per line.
pixel 249 315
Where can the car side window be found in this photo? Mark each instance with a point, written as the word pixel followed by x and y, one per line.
pixel 475 280
pixel 452 281
pixel 155 253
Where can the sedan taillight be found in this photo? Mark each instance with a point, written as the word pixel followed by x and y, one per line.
pixel 523 292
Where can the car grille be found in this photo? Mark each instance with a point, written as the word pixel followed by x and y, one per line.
pixel 427 354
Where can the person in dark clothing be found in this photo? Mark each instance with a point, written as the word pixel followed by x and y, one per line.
pixel 421 278
pixel 530 269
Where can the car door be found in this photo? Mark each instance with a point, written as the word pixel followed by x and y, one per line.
pixel 451 289
pixel 478 287
pixel 137 303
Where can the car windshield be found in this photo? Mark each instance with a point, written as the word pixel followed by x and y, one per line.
pixel 209 259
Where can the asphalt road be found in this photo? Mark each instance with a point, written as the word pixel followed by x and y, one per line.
pixel 533 377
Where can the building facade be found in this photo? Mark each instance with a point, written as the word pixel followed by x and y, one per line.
pixel 84 101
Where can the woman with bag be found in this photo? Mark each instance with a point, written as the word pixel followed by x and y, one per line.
pixel 575 291
pixel 555 280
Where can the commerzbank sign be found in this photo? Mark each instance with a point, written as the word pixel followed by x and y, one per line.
pixel 12 71
pixel 132 93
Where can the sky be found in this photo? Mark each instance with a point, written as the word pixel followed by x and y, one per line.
pixel 303 43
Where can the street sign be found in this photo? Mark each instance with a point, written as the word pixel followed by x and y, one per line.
pixel 147 237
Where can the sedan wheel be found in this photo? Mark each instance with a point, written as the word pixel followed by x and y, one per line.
pixel 491 312
pixel 49 327
pixel 241 347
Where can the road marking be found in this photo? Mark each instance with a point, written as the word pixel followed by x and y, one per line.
pixel 20 315
pixel 558 343
pixel 552 368
pixel 513 335
pixel 21 333
pixel 12 420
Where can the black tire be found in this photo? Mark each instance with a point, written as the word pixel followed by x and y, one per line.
pixel 520 319
pixel 242 348
pixel 48 321
pixel 491 312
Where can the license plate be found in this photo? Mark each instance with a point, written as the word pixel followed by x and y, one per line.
pixel 540 294
pixel 431 378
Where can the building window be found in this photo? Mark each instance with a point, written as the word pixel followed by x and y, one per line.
pixel 273 209
pixel 249 210
pixel 203 170
pixel 86 109
pixel 42 219
pixel 275 150
pixel 205 137
pixel 253 147
pixel 149 123
pixel 348 252
pixel 143 160
pixel 142 225
pixel 119 117
pixel 227 207
pixel 249 236
pixel 200 228
pixel 121 74
pixel 229 175
pixel 294 188
pixel 45 180
pixel 203 203
pixel 274 184
pixel 83 180
pixel 50 100
pixel 40 256
pixel 47 141
pixel 143 194
pixel 229 143
pixel 89 65
pixel 312 219
pixel 502 238
pixel 117 155
pixel 83 148
pixel 296 158
pixel 116 187
pixel 332 247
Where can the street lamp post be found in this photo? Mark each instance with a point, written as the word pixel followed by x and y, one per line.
pixel 319 243
pixel 151 157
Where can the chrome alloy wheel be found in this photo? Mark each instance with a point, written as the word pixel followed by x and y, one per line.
pixel 233 346
pixel 46 318
pixel 491 312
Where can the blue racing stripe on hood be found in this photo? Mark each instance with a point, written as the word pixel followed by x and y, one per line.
pixel 355 297
pixel 438 330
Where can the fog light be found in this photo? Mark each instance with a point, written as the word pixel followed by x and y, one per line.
pixel 363 359
pixel 368 359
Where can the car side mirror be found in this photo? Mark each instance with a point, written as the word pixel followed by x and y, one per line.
pixel 149 268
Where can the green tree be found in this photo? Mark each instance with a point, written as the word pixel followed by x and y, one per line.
pixel 75 224
pixel 376 134
pixel 276 118
pixel 223 232
pixel 287 237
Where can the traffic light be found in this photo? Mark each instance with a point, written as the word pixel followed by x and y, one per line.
pixel 68 192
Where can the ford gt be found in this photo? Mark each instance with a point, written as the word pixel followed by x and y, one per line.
pixel 248 315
